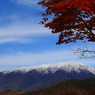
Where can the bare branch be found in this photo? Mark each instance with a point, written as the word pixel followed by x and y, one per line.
pixel 84 53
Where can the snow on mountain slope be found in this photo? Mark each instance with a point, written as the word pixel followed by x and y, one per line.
pixel 66 66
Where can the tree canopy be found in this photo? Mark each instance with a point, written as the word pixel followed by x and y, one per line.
pixel 72 19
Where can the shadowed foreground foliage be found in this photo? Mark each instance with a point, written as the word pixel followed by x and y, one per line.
pixel 11 92
pixel 69 87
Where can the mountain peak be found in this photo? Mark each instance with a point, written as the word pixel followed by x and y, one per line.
pixel 61 64
pixel 26 78
pixel 66 66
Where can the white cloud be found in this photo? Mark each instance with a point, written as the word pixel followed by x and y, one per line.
pixel 16 28
pixel 21 32
pixel 21 29
pixel 45 57
pixel 36 58
pixel 14 39
pixel 26 2
pixel 33 4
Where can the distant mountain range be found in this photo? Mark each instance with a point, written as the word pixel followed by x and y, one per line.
pixel 37 77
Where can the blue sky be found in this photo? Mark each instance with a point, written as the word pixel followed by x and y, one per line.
pixel 23 42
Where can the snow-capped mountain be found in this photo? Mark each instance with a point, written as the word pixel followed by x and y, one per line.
pixel 66 66
pixel 36 77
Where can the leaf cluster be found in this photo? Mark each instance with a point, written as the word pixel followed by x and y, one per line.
pixel 72 19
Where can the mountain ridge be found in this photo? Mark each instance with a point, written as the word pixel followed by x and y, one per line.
pixel 67 66
pixel 38 77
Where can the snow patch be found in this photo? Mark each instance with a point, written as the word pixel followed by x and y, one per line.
pixel 66 66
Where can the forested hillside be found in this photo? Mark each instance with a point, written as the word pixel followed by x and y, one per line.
pixel 69 87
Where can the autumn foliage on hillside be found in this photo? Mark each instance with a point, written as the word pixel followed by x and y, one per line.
pixel 69 87
pixel 11 92
pixel 72 19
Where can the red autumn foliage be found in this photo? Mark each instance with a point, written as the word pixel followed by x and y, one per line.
pixel 72 19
